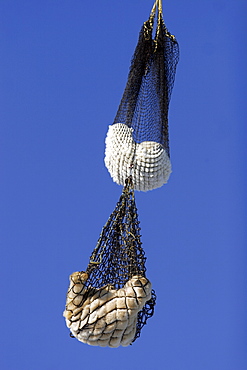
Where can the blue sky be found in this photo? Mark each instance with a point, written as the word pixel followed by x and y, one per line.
pixel 64 66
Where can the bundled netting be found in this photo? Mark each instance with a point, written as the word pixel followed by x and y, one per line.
pixel 109 303
pixel 137 142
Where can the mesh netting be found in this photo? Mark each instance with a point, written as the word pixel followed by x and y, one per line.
pixel 110 302
pixel 118 254
pixel 137 143
pixel 145 102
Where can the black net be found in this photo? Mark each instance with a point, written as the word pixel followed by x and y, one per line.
pixel 145 102
pixel 118 255
pixel 145 314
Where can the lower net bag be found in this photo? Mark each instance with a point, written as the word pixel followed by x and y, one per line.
pixel 108 304
pixel 137 142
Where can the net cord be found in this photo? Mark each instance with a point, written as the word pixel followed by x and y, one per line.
pixel 157 3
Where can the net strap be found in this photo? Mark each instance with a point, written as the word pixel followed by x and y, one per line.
pixel 157 6
pixel 153 11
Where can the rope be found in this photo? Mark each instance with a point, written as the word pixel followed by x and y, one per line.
pixel 153 11
pixel 160 6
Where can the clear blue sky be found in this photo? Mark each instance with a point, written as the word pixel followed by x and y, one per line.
pixel 63 68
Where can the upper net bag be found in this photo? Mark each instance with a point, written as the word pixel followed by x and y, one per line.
pixel 108 304
pixel 137 142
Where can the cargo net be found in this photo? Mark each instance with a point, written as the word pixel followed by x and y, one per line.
pixel 109 303
pixel 143 110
